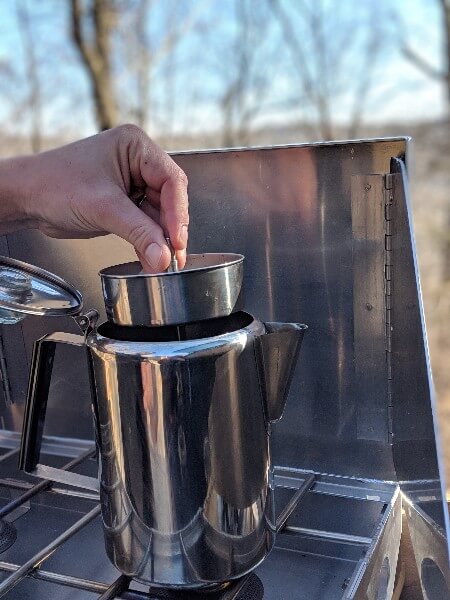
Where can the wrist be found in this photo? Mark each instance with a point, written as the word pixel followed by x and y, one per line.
pixel 16 185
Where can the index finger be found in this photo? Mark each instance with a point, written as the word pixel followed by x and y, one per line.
pixel 162 174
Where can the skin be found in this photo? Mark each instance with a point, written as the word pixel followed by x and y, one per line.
pixel 86 189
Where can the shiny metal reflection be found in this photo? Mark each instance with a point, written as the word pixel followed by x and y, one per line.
pixel 208 287
pixel 183 433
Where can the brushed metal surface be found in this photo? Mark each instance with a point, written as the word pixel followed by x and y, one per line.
pixel 417 449
pixel 414 403
pixel 375 576
pixel 208 287
pixel 289 211
pixel 430 552
pixel 369 318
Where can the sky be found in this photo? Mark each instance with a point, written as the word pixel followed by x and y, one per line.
pixel 188 84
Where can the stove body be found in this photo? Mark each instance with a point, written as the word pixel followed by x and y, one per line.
pixel 327 235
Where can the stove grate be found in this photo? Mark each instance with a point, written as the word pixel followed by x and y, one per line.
pixel 249 587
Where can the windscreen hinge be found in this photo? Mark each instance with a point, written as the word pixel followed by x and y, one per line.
pixel 388 281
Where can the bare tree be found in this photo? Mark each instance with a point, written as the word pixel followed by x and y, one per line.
pixel 233 99
pixel 140 58
pixel 321 59
pixel 427 68
pixel 143 64
pixel 34 96
pixel 118 52
pixel 370 53
pixel 92 31
pixel 176 25
pixel 246 80
pixel 132 42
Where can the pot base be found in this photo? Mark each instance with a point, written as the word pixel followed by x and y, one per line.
pixel 249 587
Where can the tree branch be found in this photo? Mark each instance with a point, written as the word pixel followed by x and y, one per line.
pixel 96 55
pixel 422 64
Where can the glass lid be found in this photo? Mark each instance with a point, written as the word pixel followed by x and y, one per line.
pixel 28 290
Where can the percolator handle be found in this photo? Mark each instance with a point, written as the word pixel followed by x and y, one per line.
pixel 36 407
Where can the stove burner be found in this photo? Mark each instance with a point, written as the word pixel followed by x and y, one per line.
pixel 252 589
pixel 8 535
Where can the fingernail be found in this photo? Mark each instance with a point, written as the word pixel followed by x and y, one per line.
pixel 153 256
pixel 184 234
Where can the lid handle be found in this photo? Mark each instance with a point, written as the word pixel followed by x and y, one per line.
pixel 28 290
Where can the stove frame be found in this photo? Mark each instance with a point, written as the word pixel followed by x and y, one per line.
pixel 340 552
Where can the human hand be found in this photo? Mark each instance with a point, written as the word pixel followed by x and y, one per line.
pixel 85 189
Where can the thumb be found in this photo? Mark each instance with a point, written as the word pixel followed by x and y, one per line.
pixel 126 220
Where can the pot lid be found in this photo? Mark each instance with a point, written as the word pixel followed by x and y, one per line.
pixel 29 290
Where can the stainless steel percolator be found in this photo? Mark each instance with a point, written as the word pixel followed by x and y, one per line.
pixel 182 426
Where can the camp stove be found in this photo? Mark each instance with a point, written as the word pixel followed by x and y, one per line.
pixel 64 555
pixel 327 231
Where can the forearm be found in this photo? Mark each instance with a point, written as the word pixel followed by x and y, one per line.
pixel 16 182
